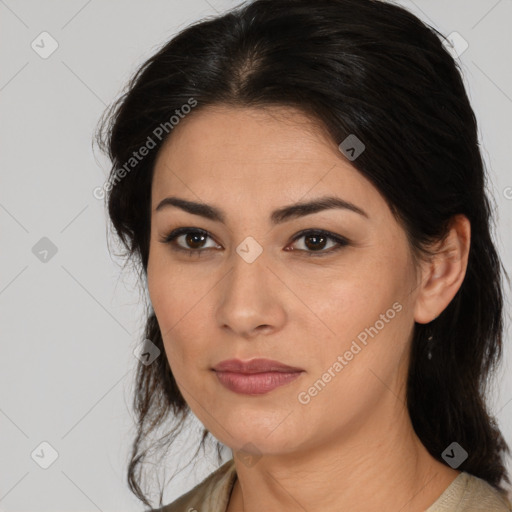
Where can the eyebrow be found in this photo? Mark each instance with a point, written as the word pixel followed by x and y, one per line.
pixel 278 216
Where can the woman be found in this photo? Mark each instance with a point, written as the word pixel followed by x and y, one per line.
pixel 301 184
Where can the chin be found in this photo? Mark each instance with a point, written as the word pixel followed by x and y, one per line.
pixel 263 441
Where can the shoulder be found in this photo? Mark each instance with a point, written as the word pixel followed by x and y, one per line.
pixel 468 493
pixel 210 495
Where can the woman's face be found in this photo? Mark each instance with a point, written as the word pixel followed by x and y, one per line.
pixel 342 313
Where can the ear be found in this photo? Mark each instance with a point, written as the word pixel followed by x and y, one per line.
pixel 444 274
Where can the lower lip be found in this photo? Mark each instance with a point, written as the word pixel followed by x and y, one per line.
pixel 255 383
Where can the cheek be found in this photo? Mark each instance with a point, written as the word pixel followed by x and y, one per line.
pixel 178 307
pixel 349 303
pixel 363 317
pixel 167 287
pixel 351 377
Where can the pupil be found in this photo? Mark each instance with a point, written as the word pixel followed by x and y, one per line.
pixel 190 239
pixel 315 245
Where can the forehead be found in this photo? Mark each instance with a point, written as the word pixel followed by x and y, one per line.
pixel 228 132
pixel 254 154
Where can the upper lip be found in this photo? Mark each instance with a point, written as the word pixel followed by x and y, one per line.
pixel 254 366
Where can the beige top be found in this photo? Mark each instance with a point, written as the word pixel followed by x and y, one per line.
pixel 466 493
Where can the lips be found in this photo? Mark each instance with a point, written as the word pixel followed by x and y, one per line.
pixel 254 366
pixel 255 377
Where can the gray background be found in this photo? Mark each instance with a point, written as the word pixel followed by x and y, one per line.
pixel 69 324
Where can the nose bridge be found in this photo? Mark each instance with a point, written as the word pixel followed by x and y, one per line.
pixel 248 299
pixel 248 276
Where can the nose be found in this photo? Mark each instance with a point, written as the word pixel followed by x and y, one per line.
pixel 251 299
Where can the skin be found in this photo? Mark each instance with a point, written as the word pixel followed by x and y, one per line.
pixel 353 443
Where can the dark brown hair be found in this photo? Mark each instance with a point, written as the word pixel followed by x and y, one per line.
pixel 363 67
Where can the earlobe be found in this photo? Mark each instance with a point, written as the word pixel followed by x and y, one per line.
pixel 442 277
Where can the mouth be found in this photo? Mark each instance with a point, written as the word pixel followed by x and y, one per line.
pixel 258 365
pixel 255 377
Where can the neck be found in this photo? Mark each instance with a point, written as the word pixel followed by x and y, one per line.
pixel 376 466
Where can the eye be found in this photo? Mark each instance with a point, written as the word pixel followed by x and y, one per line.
pixel 315 241
pixel 193 240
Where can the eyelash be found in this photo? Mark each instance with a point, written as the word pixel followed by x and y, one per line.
pixel 341 241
